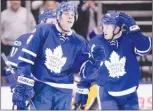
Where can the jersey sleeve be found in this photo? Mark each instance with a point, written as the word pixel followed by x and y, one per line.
pixel 29 52
pixel 85 83
pixel 88 74
pixel 81 57
pixel 89 70
pixel 16 49
pixel 142 43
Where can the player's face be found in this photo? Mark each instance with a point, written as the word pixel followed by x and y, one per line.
pixel 67 20
pixel 108 31
pixel 51 21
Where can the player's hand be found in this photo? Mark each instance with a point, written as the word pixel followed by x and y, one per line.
pixel 98 54
pixel 81 98
pixel 22 92
pixel 129 22
pixel 10 77
pixel 7 71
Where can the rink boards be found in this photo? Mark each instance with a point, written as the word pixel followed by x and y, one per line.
pixel 144 93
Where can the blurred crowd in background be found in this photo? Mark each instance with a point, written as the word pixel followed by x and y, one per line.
pixel 19 17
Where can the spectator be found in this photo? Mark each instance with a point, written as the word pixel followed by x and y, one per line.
pixel 14 23
pixel 87 18
pixel 92 8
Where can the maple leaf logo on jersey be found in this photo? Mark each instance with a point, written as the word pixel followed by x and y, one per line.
pixel 116 66
pixel 54 60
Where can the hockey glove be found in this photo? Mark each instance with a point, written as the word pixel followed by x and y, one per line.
pixel 10 77
pixel 98 55
pixel 81 97
pixel 22 92
pixel 129 22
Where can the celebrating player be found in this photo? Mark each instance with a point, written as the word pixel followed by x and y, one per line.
pixel 52 54
pixel 46 16
pixel 114 57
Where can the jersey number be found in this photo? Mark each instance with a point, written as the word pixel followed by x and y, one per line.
pixel 13 52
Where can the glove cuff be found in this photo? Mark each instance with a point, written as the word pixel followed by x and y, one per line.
pixel 134 28
pixel 82 90
pixel 25 80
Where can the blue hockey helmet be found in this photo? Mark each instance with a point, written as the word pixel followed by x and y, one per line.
pixel 112 17
pixel 66 6
pixel 47 14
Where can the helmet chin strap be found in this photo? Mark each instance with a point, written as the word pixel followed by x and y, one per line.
pixel 61 27
pixel 45 20
pixel 115 33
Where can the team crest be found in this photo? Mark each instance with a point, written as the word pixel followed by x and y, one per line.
pixel 54 59
pixel 116 66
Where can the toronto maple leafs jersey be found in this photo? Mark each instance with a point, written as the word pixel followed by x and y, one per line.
pixel 53 57
pixel 16 50
pixel 120 65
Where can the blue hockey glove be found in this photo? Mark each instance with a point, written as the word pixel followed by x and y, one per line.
pixel 129 22
pixel 22 92
pixel 98 54
pixel 10 77
pixel 81 97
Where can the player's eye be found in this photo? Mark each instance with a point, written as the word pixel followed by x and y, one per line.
pixel 73 15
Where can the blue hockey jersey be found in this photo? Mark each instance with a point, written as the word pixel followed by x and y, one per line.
pixel 53 57
pixel 120 72
pixel 16 49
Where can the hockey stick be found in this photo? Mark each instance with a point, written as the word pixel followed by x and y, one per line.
pixel 14 75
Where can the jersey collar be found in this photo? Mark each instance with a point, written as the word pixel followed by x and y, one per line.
pixel 58 28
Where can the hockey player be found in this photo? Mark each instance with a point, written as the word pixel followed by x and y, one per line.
pixel 46 16
pixel 50 56
pixel 117 73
